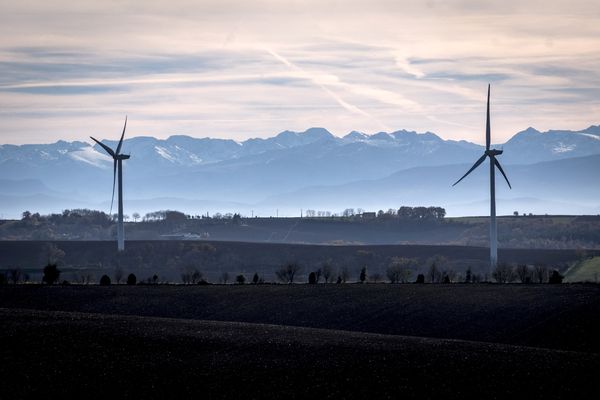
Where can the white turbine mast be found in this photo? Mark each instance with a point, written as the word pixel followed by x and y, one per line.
pixel 494 163
pixel 117 167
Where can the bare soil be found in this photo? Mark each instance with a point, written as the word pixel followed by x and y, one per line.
pixel 294 341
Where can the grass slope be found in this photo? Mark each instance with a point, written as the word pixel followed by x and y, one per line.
pixel 584 271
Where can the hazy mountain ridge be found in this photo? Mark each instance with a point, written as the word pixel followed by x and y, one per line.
pixel 259 172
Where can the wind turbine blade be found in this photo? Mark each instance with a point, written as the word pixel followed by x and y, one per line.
pixel 114 181
pixel 502 171
pixel 105 147
pixel 488 134
pixel 122 136
pixel 477 164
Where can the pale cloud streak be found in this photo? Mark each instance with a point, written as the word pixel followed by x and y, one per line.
pixel 68 69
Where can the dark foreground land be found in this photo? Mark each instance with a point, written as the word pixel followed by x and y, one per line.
pixel 324 341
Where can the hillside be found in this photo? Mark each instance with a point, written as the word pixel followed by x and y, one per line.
pixel 540 231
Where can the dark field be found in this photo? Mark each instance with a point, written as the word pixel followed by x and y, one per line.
pixel 325 341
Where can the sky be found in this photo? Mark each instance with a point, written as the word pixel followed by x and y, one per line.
pixel 241 69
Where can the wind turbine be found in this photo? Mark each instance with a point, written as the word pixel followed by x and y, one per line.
pixel 117 166
pixel 494 163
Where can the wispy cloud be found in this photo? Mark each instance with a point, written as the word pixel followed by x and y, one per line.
pixel 200 68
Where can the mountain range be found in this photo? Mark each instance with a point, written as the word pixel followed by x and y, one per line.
pixel 551 172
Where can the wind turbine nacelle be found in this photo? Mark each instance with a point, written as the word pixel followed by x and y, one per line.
pixel 123 156
pixel 493 152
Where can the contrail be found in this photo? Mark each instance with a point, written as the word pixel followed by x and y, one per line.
pixel 350 107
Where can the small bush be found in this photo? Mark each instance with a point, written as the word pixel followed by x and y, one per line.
pixel 312 278
pixel 240 279
pixel 131 279
pixel 51 274
pixel 363 275
pixel 420 278
pixel 555 277
pixel 104 280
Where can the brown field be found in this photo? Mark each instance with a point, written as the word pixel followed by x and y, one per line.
pixel 325 341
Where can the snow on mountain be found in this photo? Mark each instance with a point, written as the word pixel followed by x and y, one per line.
pixel 221 170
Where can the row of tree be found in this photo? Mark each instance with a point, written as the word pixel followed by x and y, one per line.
pixel 399 270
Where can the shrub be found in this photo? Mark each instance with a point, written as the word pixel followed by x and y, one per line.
pixel 312 278
pixel 240 279
pixel 555 277
pixel 420 278
pixel 363 274
pixel 104 280
pixel 2 279
pixel 131 279
pixel 51 274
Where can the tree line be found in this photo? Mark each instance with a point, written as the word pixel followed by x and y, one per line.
pixel 399 270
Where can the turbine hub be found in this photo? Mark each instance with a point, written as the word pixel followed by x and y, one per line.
pixel 493 152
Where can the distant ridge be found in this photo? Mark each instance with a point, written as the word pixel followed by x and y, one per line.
pixel 255 172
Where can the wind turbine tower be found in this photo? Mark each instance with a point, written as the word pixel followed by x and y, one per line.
pixel 117 168
pixel 494 163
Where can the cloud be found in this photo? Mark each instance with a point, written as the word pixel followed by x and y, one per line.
pixel 200 68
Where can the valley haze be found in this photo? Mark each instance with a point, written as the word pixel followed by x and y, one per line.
pixel 552 172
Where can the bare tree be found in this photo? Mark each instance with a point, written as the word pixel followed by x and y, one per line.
pixel 191 275
pixel 449 275
pixel 135 216
pixel 224 278
pixel 375 277
pixel 287 272
pixel 118 275
pixel 504 273
pixel 318 274
pixel 14 275
pixel 344 274
pixel 523 273
pixel 541 273
pixel 327 271
pixel 400 269
pixel 52 254
pixel 436 264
